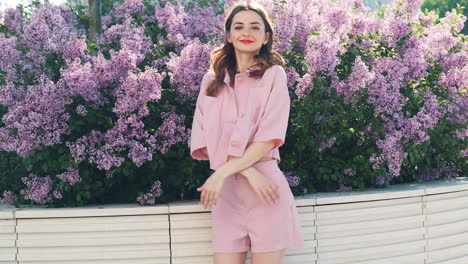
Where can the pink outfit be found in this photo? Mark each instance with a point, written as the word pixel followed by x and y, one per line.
pixel 252 110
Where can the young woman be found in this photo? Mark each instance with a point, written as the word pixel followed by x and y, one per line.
pixel 240 121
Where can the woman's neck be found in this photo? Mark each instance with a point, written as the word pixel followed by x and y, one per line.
pixel 243 62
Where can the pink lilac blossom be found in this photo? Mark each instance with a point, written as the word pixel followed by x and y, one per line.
pixel 188 68
pixel 57 193
pixel 8 197
pixel 322 54
pixel 327 144
pixel 430 174
pixel 38 189
pixel 71 176
pixel 461 134
pixel 171 131
pixel 292 76
pixel 81 110
pixel 80 80
pixel 138 89
pixel 293 180
pixel 184 24
pixel 49 28
pixel 349 172
pixel 36 121
pixel 293 21
pixel 13 18
pixel 383 179
pixel 74 48
pixel 384 91
pixel 392 151
pixel 11 94
pixel 343 187
pixel 150 197
pixel 359 78
pixel 9 57
pixel 438 41
pixel 304 85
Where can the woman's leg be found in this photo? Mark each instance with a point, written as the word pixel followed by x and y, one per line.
pixel 274 257
pixel 229 258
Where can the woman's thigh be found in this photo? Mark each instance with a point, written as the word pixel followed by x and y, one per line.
pixel 230 258
pixel 274 257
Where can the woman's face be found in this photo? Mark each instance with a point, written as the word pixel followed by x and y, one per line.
pixel 247 32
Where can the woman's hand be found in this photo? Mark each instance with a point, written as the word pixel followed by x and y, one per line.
pixel 265 189
pixel 210 190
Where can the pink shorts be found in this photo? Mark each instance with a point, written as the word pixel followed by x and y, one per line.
pixel 242 222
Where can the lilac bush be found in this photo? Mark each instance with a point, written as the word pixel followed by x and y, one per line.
pixel 377 97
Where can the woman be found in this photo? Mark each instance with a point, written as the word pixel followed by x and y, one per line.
pixel 240 121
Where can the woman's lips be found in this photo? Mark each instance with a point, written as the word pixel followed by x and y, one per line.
pixel 246 41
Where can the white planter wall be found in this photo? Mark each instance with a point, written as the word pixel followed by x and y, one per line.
pixel 402 224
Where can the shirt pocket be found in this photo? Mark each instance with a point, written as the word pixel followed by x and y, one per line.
pixel 211 114
pixel 258 99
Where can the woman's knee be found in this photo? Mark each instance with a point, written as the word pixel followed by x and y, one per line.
pixel 229 258
pixel 274 257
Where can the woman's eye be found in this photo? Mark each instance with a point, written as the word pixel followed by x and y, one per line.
pixel 238 28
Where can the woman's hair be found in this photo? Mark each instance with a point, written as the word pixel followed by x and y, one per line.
pixel 224 57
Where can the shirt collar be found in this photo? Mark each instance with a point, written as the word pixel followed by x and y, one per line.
pixel 227 79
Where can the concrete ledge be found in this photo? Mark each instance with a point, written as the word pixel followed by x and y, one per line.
pixel 419 223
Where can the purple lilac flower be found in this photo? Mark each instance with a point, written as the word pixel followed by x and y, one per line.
pixel 327 144
pixel 8 197
pixel 293 180
pixel 184 24
pixel 81 110
pixel 37 189
pixel 58 193
pixel 349 172
pixel 150 197
pixel 36 121
pixel 359 78
pixel 137 90
pixel 188 68
pixel 343 187
pixel 71 176
pixel 13 19
pixel 171 131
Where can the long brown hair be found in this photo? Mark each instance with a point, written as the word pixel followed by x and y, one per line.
pixel 224 57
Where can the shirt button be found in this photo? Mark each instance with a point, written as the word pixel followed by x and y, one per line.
pixel 241 115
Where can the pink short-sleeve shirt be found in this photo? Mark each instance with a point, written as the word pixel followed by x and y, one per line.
pixel 252 110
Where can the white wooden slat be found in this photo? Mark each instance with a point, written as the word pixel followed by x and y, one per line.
pixel 369 240
pixel 447 253
pixel 460 260
pixel 369 227
pixel 103 234
pixel 446 205
pixel 446 217
pixel 447 241
pixel 369 253
pixel 99 261
pixel 103 255
pixel 447 229
pixel 367 204
pixel 417 258
pixel 191 249
pixel 373 213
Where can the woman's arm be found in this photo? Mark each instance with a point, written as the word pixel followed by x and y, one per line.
pixel 252 154
pixel 245 172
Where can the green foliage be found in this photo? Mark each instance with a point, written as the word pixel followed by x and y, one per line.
pixel 443 6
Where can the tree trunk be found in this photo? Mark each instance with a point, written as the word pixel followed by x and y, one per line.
pixel 94 19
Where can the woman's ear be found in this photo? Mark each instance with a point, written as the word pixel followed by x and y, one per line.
pixel 267 36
